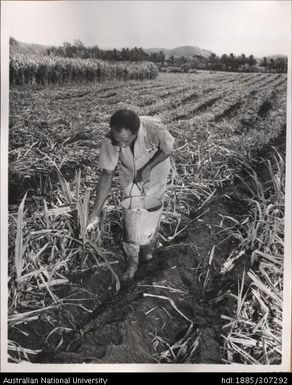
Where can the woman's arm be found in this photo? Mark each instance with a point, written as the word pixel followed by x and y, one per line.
pixel 103 188
pixel 143 175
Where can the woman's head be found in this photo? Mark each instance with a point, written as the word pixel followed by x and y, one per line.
pixel 124 127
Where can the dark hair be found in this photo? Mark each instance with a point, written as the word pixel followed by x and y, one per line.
pixel 125 119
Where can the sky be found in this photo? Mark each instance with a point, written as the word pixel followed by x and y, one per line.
pixel 251 27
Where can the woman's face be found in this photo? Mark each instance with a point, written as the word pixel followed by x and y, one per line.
pixel 123 138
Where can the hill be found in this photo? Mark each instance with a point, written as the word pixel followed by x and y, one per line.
pixel 21 47
pixel 186 51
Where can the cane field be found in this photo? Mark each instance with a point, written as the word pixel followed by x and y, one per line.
pixel 213 292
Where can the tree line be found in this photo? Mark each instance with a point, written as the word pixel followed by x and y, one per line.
pixel 240 63
pixel 77 49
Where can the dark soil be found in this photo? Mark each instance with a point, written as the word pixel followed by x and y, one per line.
pixel 200 108
pixel 229 112
pixel 265 108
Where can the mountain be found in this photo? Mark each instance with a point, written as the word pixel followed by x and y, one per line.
pixel 186 51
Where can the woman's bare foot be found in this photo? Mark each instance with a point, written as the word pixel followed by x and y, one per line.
pixel 130 272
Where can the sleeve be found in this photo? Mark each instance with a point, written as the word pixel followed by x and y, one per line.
pixel 108 156
pixel 158 135
pixel 165 141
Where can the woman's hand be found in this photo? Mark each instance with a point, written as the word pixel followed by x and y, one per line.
pixel 143 175
pixel 93 222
